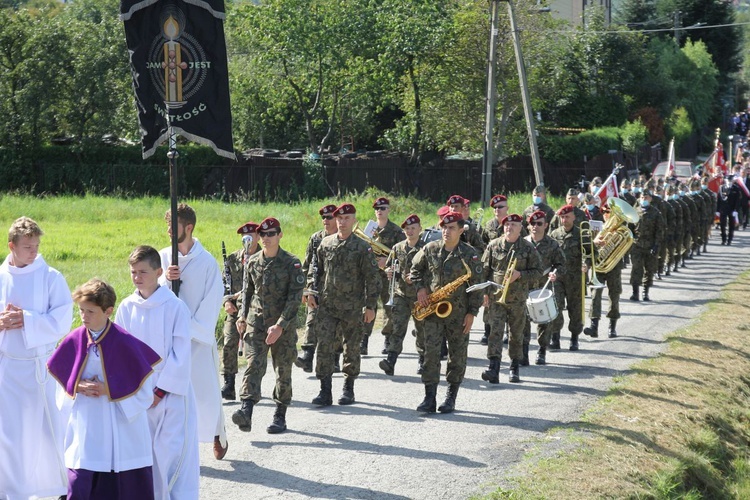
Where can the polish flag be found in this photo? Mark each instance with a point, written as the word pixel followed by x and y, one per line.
pixel 608 189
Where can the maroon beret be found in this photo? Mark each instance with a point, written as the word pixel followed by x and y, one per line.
pixel 247 228
pixel 270 223
pixel 497 199
pixel 451 217
pixel 455 199
pixel 327 210
pixel 412 219
pixel 565 209
pixel 381 202
pixel 511 218
pixel 346 208
pixel 442 211
pixel 538 215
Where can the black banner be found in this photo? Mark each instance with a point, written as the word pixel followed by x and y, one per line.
pixel 178 57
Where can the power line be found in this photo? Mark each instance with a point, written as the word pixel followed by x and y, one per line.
pixel 658 30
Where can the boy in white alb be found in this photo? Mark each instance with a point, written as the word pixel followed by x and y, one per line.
pixel 202 290
pixel 106 373
pixel 154 315
pixel 35 312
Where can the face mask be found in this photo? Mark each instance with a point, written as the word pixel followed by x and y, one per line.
pixel 625 191
pixel 589 207
pixel 637 190
pixel 645 203
pixel 537 200
pixel 704 187
pixel 674 197
pixel 681 193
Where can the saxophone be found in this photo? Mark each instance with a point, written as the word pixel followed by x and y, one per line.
pixel 439 304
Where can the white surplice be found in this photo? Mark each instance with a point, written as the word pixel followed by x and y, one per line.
pixel 202 290
pixel 31 428
pixel 162 321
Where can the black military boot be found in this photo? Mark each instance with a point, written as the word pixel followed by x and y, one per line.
pixel 420 364
pixel 444 350
pixel 227 391
pixel 450 399
pixel 347 395
pixel 244 416
pixel 305 360
pixel 645 294
pixel 513 375
pixel 486 336
pixel 593 330
pixel 525 360
pixel 337 363
pixel 278 424
pixel 554 342
pixel 668 272
pixel 676 265
pixel 612 328
pixel 635 297
pixel 573 341
pixel 388 364
pixel 386 343
pixel 363 345
pixel 506 336
pixel 492 373
pixel 429 403
pixel 324 397
pixel 541 356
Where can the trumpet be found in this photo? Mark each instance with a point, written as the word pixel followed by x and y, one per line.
pixel 378 248
pixel 395 268
pixel 508 276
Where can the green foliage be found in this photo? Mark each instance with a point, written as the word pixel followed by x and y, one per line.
pixel 575 147
pixel 679 125
pixel 634 136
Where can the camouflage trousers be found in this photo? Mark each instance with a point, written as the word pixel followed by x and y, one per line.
pixel 231 347
pixel 385 295
pixel 309 339
pixel 698 233
pixel 400 315
pixel 687 242
pixel 283 354
pixel 674 250
pixel 613 281
pixel 450 328
pixel 644 266
pixel 330 323
pixel 568 296
pixel 515 315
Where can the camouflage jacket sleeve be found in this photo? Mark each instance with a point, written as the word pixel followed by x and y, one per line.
pixel 249 290
pixel 234 263
pixel 390 235
pixel 296 282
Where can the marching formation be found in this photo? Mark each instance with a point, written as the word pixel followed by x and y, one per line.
pixel 117 408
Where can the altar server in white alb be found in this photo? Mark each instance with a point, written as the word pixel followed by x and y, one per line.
pixel 155 316
pixel 202 290
pixel 106 375
pixel 36 311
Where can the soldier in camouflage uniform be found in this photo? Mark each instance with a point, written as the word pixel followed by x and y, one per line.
pixel 404 294
pixel 496 259
pixel 674 247
pixel 233 275
pixel 698 232
pixel 689 211
pixel 472 233
pixel 538 197
pixel 568 281
pixel 711 204
pixel 436 265
pixel 388 234
pixel 625 194
pixel 668 214
pixel 493 229
pixel 571 198
pixel 648 236
pixel 309 339
pixel 268 320
pixel 346 277
pixel 551 257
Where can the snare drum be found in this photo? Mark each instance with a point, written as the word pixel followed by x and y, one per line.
pixel 541 306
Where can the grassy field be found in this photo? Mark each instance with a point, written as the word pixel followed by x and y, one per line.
pixel 677 428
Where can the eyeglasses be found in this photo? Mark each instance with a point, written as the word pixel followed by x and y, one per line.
pixel 327 217
pixel 268 234
pixel 537 223
pixel 378 209
pixel 500 208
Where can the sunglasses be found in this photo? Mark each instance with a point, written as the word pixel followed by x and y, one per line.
pixel 378 209
pixel 327 217
pixel 268 234
pixel 537 223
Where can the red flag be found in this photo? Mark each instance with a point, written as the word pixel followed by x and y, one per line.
pixel 670 166
pixel 608 189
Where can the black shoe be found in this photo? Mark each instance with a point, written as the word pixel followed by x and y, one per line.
pixel 450 399
pixel 444 350
pixel 429 403
pixel 305 361
pixel 658 276
pixel 347 395
pixel 612 328
pixel 645 294
pixel 386 343
pixel 514 375
pixel 635 297
pixel 593 330
pixel 337 363
pixel 554 343
pixel 278 424
pixel 244 416
pixel 506 338
pixel 541 356
pixel 573 342
pixel 363 345
pixel 667 272
pixel 388 364
pixel 492 373
pixel 484 340
pixel 227 391
pixel 324 397
pixel 525 359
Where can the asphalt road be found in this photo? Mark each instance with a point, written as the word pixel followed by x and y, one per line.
pixel 381 448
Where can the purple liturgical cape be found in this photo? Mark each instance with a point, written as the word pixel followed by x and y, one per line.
pixel 127 361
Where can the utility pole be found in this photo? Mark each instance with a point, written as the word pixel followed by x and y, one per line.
pixel 677 26
pixel 488 158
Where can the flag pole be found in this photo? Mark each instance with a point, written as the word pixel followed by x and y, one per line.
pixel 173 154
pixel 615 171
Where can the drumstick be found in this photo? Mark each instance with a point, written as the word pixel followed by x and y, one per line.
pixel 548 280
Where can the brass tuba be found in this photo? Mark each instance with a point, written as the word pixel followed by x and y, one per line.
pixel 378 248
pixel 439 304
pixel 615 234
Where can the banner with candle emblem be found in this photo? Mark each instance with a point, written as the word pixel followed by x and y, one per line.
pixel 178 58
